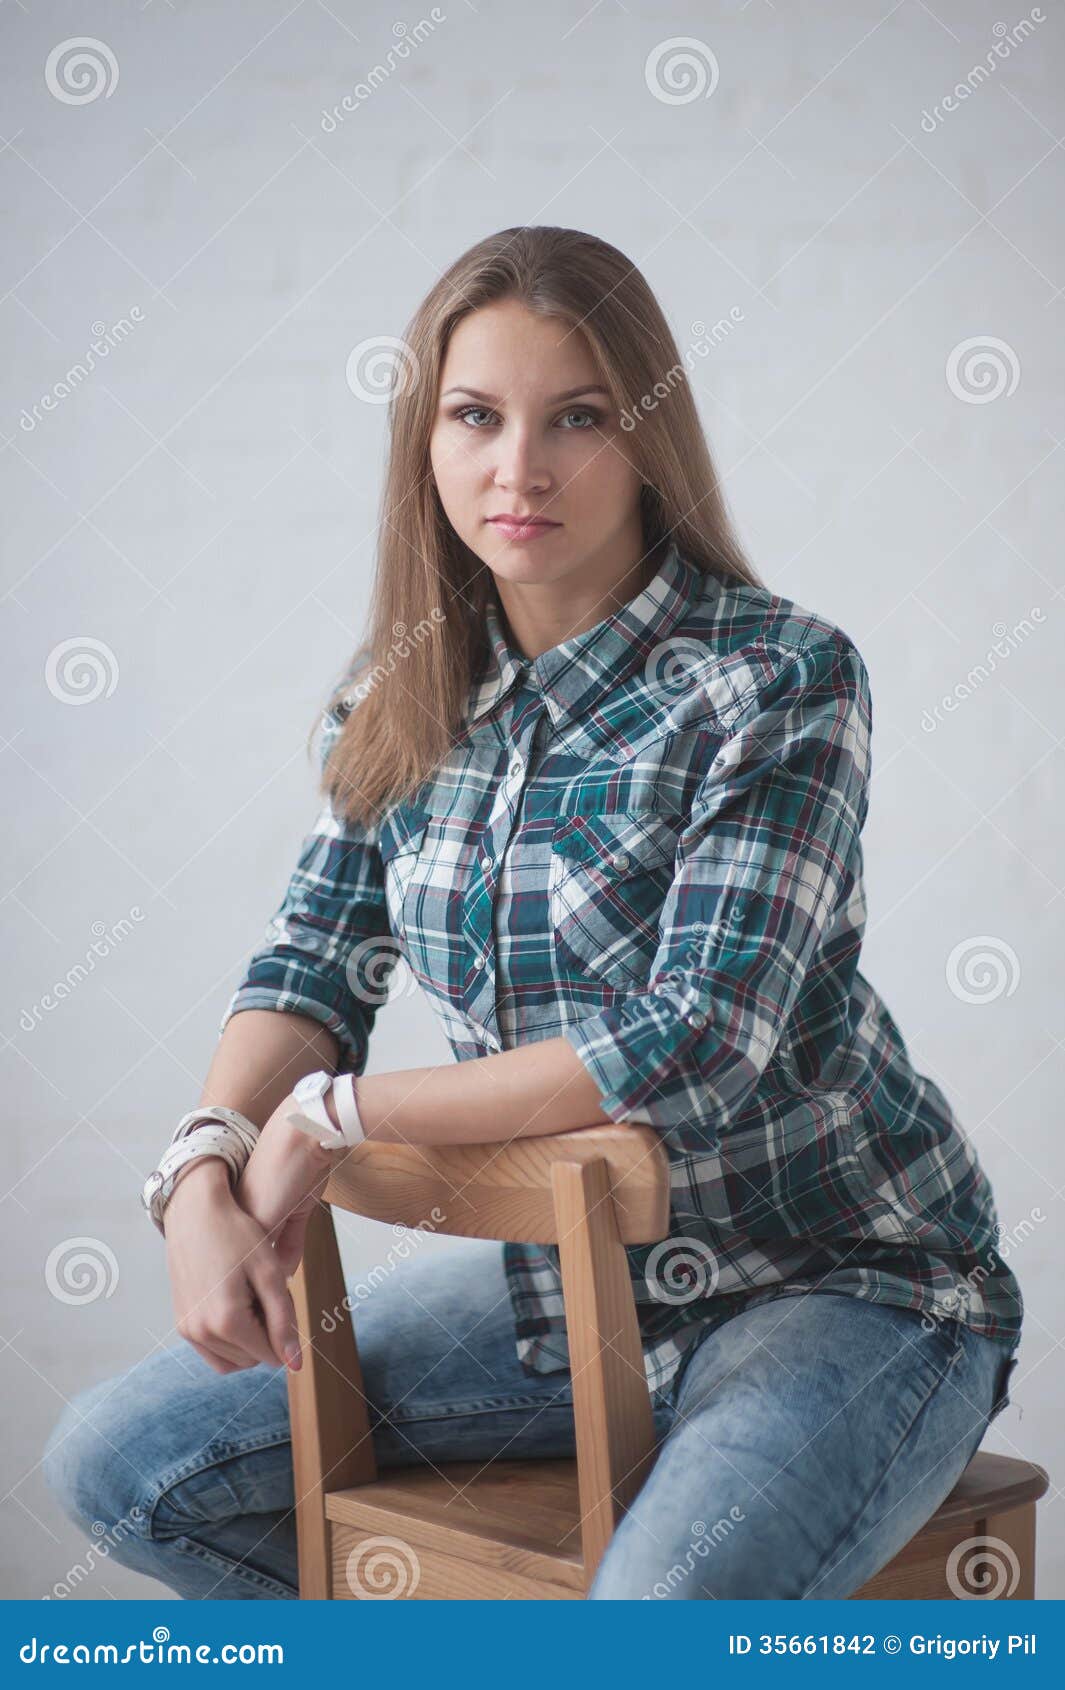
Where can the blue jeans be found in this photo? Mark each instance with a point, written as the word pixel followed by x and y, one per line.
pixel 801 1444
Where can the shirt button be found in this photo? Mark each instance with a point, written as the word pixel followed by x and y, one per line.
pixel 661 990
pixel 516 766
pixel 695 1018
pixel 621 861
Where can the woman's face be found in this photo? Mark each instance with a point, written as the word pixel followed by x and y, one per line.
pixel 525 426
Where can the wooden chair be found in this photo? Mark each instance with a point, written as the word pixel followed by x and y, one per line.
pixel 533 1529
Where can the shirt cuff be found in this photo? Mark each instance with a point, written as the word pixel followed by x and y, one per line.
pixel 645 1056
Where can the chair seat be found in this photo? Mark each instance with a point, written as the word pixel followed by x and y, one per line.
pixel 512 1529
pixel 465 1529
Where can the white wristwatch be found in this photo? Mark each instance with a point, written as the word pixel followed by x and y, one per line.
pixel 314 1119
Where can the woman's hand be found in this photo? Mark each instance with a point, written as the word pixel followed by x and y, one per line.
pixel 230 1298
pixel 284 1177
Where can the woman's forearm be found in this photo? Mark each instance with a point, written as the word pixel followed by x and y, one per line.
pixel 261 1055
pixel 533 1090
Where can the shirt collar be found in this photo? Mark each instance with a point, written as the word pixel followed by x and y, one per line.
pixel 574 675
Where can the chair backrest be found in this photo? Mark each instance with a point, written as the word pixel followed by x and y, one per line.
pixel 504 1190
pixel 591 1192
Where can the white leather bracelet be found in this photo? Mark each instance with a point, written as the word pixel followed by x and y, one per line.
pixel 220 1131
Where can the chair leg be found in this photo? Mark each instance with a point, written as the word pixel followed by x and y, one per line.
pixel 331 1443
pixel 1015 1533
pixel 612 1406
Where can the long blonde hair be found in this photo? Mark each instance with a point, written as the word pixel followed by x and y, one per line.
pixel 404 694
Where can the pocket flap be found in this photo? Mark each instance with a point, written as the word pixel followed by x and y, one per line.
pixel 623 841
pixel 402 829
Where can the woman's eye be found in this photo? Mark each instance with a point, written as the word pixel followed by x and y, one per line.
pixel 587 418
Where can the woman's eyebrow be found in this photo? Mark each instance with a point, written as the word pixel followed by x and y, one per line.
pixel 552 399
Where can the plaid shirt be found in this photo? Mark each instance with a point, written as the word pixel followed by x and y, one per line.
pixel 646 841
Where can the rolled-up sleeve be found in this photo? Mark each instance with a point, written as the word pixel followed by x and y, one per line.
pixel 327 952
pixel 770 853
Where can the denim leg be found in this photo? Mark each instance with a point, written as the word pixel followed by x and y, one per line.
pixel 814 1435
pixel 190 1471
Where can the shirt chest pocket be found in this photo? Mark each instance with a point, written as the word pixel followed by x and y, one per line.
pixel 402 836
pixel 607 881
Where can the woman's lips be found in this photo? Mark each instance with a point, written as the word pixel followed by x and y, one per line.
pixel 530 529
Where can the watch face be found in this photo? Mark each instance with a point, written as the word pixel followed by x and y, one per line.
pixel 312 1085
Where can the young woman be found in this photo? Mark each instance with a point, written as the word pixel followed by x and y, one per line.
pixel 603 790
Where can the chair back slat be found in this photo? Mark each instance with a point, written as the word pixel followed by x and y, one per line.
pixel 503 1190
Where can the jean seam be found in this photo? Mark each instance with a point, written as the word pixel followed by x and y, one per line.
pixel 827 1559
pixel 475 1405
pixel 189 1546
pixel 211 1455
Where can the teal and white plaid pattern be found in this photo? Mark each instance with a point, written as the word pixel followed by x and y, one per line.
pixel 647 841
